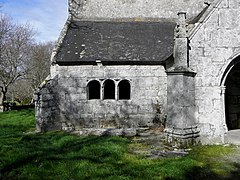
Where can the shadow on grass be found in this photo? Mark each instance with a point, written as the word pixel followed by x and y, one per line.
pixel 235 174
pixel 58 147
pixel 206 173
pixel 57 155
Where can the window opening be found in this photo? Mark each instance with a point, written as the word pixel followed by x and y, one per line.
pixel 109 89
pixel 124 88
pixel 94 89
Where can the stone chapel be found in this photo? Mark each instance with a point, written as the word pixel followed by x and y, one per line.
pixel 127 64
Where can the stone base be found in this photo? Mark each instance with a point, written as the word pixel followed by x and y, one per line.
pixel 232 137
pixel 182 137
pixel 106 132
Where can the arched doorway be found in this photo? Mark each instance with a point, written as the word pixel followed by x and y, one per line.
pixel 232 98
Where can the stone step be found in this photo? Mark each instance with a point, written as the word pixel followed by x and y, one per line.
pixel 163 153
pixel 156 147
pixel 232 137
pixel 150 141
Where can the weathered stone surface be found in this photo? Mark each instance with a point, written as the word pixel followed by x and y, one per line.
pixel 46 103
pixel 217 42
pixel 133 9
pixel 71 94
pixel 103 132
pixel 232 137
pixel 181 99
pixel 210 47
pixel 129 132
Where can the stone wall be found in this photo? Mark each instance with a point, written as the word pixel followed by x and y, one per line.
pixel 148 92
pixel 214 44
pixel 139 9
pixel 46 106
pixel 212 48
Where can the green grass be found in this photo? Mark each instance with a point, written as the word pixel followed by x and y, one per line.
pixel 57 155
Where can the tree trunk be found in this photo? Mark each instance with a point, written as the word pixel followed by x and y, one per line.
pixel 3 97
pixel 1 101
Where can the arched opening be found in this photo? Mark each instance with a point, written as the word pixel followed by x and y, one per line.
pixel 232 98
pixel 124 88
pixel 94 89
pixel 109 89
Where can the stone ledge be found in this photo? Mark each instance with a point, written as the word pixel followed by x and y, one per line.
pixel 108 132
pixel 181 71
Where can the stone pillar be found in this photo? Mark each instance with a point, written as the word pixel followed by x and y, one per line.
pixel 181 129
pixel 224 128
pixel 181 42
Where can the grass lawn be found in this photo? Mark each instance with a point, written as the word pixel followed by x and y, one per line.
pixel 57 155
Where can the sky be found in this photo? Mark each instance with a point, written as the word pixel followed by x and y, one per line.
pixel 47 17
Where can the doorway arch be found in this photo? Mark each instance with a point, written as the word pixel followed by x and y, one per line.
pixel 232 95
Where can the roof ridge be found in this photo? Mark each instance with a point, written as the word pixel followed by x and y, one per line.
pixel 205 16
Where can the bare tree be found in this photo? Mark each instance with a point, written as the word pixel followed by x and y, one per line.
pixel 15 43
pixel 39 65
pixel 38 68
pixel 21 91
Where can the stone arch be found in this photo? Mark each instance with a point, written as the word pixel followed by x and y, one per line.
pixel 109 89
pixel 232 98
pixel 230 91
pixel 124 90
pixel 94 90
pixel 226 68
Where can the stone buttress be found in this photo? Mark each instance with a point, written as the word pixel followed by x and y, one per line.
pixel 181 128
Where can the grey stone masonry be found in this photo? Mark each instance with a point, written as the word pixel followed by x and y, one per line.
pixel 148 92
pixel 181 55
pixel 46 103
pixel 138 10
pixel 120 65
pixel 181 129
pixel 215 49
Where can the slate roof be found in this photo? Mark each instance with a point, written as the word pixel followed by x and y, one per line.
pixel 117 42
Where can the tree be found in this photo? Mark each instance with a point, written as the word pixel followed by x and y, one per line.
pixel 20 91
pixel 38 68
pixel 39 65
pixel 15 43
